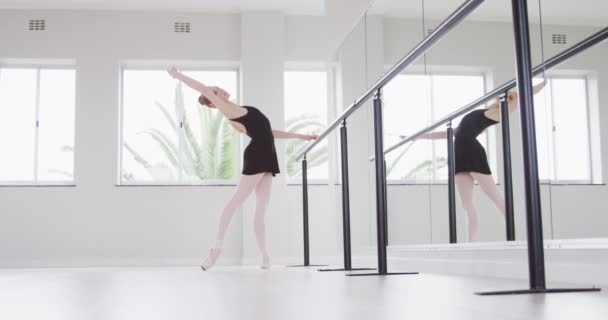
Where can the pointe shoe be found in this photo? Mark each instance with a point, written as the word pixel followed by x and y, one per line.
pixel 265 263
pixel 209 262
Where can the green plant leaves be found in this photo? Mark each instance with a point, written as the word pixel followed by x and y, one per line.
pixel 207 148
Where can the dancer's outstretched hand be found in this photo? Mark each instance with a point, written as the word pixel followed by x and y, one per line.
pixel 173 71
pixel 310 137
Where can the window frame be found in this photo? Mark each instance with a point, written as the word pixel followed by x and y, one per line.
pixel 188 67
pixel 39 66
pixel 447 71
pixel 553 166
pixel 331 113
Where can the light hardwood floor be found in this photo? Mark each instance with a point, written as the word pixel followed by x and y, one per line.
pixel 281 293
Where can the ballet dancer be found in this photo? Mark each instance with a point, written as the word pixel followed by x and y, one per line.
pixel 471 160
pixel 259 162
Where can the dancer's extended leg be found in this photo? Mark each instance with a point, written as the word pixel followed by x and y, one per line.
pixel 487 184
pixel 465 184
pixel 245 187
pixel 262 195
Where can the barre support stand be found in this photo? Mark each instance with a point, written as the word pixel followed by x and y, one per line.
pixel 380 193
pixel 345 205
pixel 305 230
pixel 506 157
pixel 451 184
pixel 536 259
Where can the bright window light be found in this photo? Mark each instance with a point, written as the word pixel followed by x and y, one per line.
pixel 562 130
pixel 168 137
pixel 37 108
pixel 306 109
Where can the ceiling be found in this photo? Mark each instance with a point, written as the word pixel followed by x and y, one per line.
pixel 567 12
pixel 313 7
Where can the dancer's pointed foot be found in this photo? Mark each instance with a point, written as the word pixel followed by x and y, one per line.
pixel 265 262
pixel 209 262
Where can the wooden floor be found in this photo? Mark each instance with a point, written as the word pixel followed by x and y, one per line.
pixel 281 294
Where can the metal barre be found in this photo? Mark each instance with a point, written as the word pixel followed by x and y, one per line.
pixel 445 27
pixel 552 62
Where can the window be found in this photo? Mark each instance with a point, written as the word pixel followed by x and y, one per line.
pixel 168 137
pixel 411 103
pixel 562 130
pixel 37 107
pixel 306 111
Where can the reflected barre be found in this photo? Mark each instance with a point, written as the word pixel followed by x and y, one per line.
pixel 587 43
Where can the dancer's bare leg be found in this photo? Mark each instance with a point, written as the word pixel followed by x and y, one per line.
pixel 245 187
pixel 465 184
pixel 262 196
pixel 487 184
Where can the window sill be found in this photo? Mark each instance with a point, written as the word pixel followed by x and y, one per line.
pixel 565 184
pixel 415 183
pixel 40 185
pixel 209 183
pixel 294 182
pixel 542 183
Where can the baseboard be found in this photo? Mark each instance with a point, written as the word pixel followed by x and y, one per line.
pixel 581 261
pixel 108 263
pixel 293 260
pixel 168 262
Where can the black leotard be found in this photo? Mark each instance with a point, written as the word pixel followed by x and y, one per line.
pixel 260 155
pixel 470 154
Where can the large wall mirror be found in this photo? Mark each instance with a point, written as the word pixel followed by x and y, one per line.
pixel 473 59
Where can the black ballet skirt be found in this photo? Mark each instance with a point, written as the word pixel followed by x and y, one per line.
pixel 260 155
pixel 469 153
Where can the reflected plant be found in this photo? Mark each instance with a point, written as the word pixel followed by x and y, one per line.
pixel 309 123
pixel 208 153
pixel 391 164
pixel 427 166
pixel 424 166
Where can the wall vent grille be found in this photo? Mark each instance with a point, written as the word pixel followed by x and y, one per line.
pixel 559 38
pixel 182 27
pixel 37 25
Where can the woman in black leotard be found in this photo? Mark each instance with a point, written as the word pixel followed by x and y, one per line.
pixel 260 155
pixel 259 162
pixel 471 160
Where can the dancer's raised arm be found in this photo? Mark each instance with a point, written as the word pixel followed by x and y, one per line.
pixel 493 110
pixel 291 135
pixel 437 135
pixel 216 96
pixel 194 84
pixel 512 95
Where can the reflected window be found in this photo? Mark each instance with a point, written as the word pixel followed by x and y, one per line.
pixel 306 111
pixel 562 130
pixel 411 103
pixel 168 137
pixel 37 107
